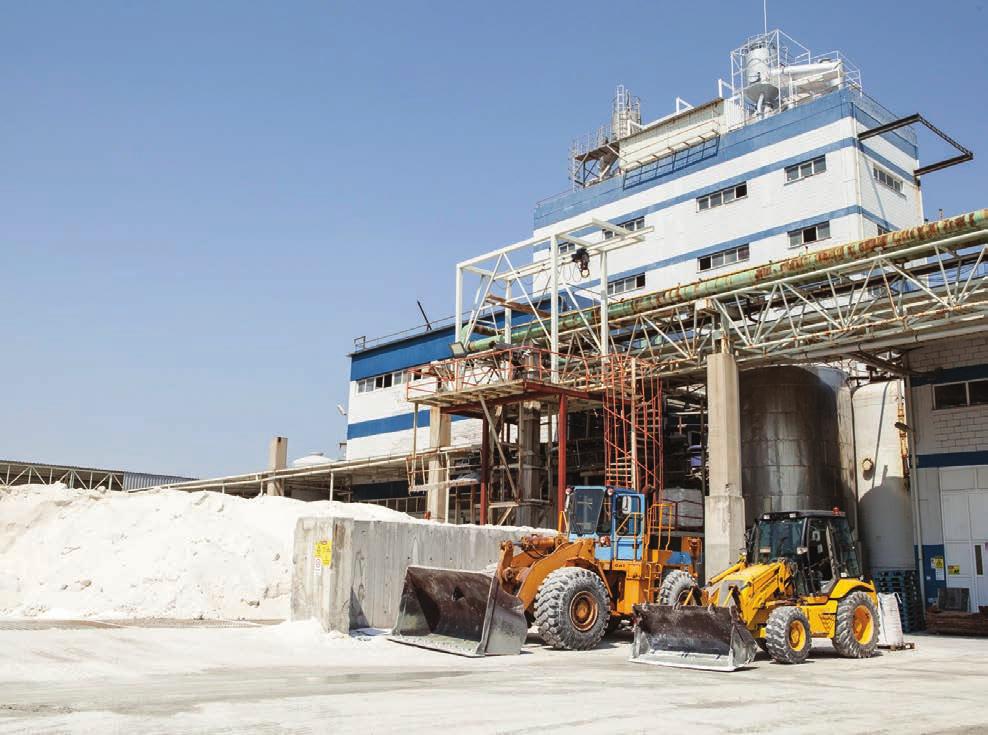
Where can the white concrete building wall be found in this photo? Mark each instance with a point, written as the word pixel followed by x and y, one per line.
pixel 681 232
pixel 951 476
pixel 952 429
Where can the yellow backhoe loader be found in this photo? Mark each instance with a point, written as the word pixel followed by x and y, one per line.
pixel 799 579
pixel 615 549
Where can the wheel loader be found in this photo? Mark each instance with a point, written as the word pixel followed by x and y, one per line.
pixel 799 579
pixel 612 551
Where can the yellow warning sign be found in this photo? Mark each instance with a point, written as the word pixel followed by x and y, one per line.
pixel 954 569
pixel 324 552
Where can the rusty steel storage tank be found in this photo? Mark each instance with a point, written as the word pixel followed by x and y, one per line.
pixel 796 441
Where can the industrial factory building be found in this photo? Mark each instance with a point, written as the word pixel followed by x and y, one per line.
pixel 739 303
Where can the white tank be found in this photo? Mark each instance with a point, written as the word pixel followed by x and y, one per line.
pixel 884 508
pixel 315 459
pixel 758 75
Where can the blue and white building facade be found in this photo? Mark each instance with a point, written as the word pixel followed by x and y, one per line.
pixel 380 421
pixel 769 170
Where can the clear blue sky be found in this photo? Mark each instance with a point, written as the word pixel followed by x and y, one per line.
pixel 204 202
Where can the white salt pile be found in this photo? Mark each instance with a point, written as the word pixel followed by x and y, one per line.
pixel 154 554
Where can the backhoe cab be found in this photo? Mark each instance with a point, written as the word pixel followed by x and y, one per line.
pixel 610 554
pixel 799 579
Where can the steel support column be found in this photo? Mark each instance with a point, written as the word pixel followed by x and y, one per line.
pixel 485 468
pixel 561 459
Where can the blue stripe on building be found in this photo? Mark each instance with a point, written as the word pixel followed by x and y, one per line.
pixel 407 353
pixel 951 459
pixel 388 424
pixel 421 349
pixel 951 375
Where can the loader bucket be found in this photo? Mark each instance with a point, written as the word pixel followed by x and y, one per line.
pixel 461 612
pixel 691 636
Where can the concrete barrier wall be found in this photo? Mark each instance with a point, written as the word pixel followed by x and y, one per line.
pixel 349 574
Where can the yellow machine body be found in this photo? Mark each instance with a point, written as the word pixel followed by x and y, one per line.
pixel 757 589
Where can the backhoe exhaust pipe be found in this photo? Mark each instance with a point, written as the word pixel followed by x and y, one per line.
pixel 690 636
pixel 461 612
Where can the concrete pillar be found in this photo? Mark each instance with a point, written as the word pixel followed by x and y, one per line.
pixel 277 460
pixel 440 435
pixel 724 508
pixel 530 468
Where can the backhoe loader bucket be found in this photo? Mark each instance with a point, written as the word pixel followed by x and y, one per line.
pixel 461 612
pixel 691 636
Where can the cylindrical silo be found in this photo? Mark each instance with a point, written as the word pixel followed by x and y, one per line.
pixel 884 509
pixel 796 452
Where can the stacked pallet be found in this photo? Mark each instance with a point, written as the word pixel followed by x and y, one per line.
pixel 957 623
pixel 903 583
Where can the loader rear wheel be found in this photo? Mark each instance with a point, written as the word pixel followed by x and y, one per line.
pixel 856 634
pixel 678 588
pixel 572 609
pixel 787 635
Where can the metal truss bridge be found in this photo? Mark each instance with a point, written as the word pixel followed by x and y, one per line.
pixel 866 296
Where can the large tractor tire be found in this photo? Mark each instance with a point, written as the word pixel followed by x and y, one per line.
pixel 787 635
pixel 678 588
pixel 572 609
pixel 856 634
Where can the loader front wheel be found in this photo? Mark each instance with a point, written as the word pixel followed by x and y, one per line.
pixel 787 635
pixel 572 609
pixel 856 633
pixel 678 588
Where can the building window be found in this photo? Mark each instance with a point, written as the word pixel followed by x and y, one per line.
pixel 959 395
pixel 886 179
pixel 638 223
pixel 724 196
pixel 623 285
pixel 806 168
pixel 806 235
pixel 379 382
pixel 724 257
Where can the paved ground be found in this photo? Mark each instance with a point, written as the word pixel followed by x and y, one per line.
pixel 293 679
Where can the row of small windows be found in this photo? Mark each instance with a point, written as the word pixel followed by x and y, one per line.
pixel 725 257
pixel 638 223
pixel 797 238
pixel 623 285
pixel 378 382
pixel 741 253
pixel 886 179
pixel 958 395
pixel 806 169
pixel 724 196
